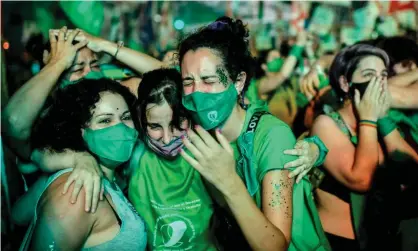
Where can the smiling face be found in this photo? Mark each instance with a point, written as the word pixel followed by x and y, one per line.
pixel 203 71
pixel 159 123
pixel 109 111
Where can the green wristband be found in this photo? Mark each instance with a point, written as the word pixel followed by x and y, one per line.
pixel 323 81
pixel 323 150
pixel 296 51
pixel 386 125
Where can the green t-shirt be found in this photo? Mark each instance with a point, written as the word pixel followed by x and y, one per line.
pixel 272 137
pixel 173 201
pixel 252 92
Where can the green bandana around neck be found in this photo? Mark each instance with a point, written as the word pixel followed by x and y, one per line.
pixel 211 110
pixel 91 75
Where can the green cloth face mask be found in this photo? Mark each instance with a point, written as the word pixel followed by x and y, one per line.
pixel 112 145
pixel 210 110
pixel 90 75
pixel 275 65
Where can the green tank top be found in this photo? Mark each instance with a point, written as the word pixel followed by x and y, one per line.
pixel 173 201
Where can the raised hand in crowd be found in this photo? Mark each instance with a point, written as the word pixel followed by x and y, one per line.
pixel 138 61
pixel 62 47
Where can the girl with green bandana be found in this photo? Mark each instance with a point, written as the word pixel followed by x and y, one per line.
pixel 358 75
pixel 95 116
pixel 238 151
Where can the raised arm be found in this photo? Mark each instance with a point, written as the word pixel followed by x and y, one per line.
pixel 310 83
pixel 404 97
pixel 26 104
pixel 273 80
pixel 404 79
pixel 138 61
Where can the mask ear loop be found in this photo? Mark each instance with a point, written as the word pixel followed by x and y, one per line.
pixel 242 101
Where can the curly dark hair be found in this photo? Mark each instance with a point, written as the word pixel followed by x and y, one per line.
pixel 346 61
pixel 71 110
pixel 229 38
pixel 156 87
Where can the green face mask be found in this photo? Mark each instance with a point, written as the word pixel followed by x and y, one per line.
pixel 210 110
pixel 90 75
pixel 275 65
pixel 112 145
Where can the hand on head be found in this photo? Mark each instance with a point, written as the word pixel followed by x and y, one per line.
pixel 63 51
pixel 92 42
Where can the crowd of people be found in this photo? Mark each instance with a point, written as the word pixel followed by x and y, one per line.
pixel 215 148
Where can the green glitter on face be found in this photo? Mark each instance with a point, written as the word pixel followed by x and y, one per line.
pixel 223 78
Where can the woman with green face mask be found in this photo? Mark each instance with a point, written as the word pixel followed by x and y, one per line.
pixel 281 101
pixel 361 142
pixel 238 151
pixel 273 82
pixel 94 116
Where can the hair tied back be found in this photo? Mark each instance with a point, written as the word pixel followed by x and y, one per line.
pixel 217 25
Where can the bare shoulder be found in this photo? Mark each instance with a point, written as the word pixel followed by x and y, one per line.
pixel 323 123
pixel 59 221
pixel 323 120
pixel 55 204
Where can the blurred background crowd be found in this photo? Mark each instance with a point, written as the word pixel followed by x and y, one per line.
pixel 154 27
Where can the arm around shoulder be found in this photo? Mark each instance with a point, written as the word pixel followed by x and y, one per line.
pixel 60 224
